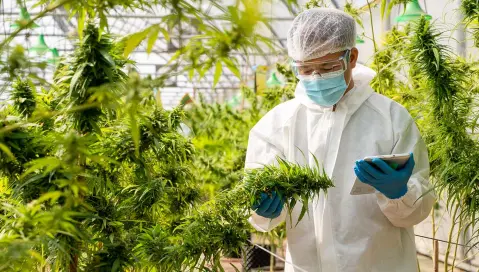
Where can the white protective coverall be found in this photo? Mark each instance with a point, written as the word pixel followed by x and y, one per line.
pixel 343 232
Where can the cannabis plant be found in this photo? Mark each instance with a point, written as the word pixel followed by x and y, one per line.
pixel 453 150
pixel 470 9
pixel 93 66
pixel 23 96
pixel 220 226
pixel 84 186
pixel 440 90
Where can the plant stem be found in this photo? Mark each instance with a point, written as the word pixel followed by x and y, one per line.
pixel 374 43
pixel 448 250
pixel 461 221
pixel 435 243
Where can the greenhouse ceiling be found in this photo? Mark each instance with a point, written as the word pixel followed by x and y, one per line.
pixel 60 32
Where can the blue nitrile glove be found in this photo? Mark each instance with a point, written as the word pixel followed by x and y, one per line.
pixel 269 206
pixel 392 183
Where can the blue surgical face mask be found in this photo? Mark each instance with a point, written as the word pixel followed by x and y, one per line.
pixel 327 90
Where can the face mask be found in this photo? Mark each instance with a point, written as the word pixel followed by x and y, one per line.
pixel 325 91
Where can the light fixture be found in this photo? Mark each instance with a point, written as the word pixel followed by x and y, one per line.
pixel 273 81
pixel 41 47
pixel 359 40
pixel 412 12
pixel 23 20
pixel 55 56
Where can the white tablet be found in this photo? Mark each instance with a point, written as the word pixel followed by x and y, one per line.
pixel 395 161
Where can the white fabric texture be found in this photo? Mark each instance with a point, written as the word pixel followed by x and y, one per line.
pixel 320 31
pixel 343 232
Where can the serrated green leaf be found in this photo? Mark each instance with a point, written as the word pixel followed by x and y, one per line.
pixel 438 57
pixel 304 209
pixel 52 196
pixel 191 74
pixel 232 67
pixel 165 34
pixel 135 132
pixel 81 23
pixel 175 56
pixel 7 151
pixel 103 23
pixel 218 72
pixel 50 162
pixel 134 40
pixel 116 266
pixel 152 37
pixel 77 76
pixel 383 8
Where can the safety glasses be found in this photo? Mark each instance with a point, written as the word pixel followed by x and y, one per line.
pixel 321 68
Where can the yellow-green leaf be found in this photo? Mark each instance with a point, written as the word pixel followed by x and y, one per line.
pixel 7 151
pixel 103 22
pixel 165 34
pixel 81 23
pixel 191 73
pixel 232 67
pixel 218 71
pixel 52 196
pixel 383 8
pixel 153 36
pixel 175 56
pixel 49 162
pixel 134 40
pixel 135 132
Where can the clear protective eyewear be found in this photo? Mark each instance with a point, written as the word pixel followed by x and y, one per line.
pixel 322 69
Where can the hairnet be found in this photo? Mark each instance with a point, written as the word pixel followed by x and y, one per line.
pixel 320 31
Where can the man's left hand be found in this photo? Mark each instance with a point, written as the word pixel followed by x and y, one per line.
pixel 392 183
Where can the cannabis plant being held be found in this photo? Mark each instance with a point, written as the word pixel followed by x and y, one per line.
pixel 220 226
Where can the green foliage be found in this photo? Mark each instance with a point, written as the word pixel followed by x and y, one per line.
pixel 220 140
pixel 212 49
pixel 354 12
pixel 453 152
pixel 16 61
pixel 23 96
pixel 81 185
pixel 315 4
pixel 220 227
pixel 296 183
pixel 94 64
pixel 97 9
pixel 470 9
pixel 94 174
pixel 439 89
pixel 220 134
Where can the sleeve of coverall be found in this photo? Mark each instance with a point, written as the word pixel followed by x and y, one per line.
pixel 262 152
pixel 415 206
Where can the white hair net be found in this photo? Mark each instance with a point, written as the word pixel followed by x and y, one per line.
pixel 320 31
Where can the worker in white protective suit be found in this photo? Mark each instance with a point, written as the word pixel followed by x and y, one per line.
pixel 337 117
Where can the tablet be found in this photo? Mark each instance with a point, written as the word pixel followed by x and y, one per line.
pixel 395 161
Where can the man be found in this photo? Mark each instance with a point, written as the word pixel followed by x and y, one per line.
pixel 337 117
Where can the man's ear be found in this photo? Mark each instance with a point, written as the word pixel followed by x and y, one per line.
pixel 353 57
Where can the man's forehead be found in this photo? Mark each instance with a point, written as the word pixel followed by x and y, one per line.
pixel 332 56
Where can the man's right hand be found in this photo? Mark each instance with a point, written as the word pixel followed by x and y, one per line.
pixel 269 206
